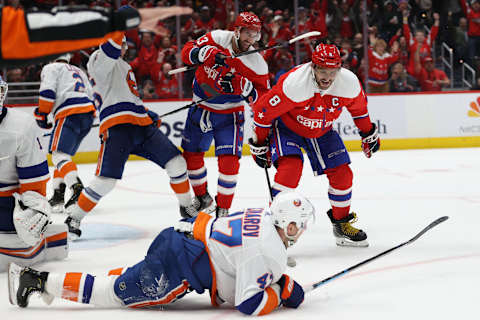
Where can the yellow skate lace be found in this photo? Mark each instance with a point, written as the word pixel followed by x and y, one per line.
pixel 347 227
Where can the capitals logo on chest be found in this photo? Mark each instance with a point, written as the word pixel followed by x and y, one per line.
pixel 132 83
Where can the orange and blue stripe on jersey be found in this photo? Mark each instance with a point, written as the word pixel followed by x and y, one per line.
pixel 172 296
pixel 7 189
pixel 74 106
pixel 46 100
pixel 123 112
pixel 261 303
pixel 203 224
pixel 34 178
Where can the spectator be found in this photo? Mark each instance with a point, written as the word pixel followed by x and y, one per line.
pixel 147 57
pixel 379 62
pixel 400 80
pixel 166 52
pixel 166 85
pixel 430 78
pixel 15 75
pixel 349 57
pixel 205 23
pixel 473 15
pixel 424 43
pixel 148 90
pixel 460 40
pixel 357 45
pixel 347 20
pixel 390 20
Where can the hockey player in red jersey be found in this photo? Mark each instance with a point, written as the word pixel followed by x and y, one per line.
pixel 297 114
pixel 236 81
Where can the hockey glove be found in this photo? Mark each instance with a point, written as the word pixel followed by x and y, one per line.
pixel 210 56
pixel 237 84
pixel 291 293
pixel 31 216
pixel 370 141
pixel 261 154
pixel 155 118
pixel 42 119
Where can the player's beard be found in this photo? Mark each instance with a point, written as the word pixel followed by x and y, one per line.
pixel 243 45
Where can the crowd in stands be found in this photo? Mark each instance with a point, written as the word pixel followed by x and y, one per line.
pixel 400 35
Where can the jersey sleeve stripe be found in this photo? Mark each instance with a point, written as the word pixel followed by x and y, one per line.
pixel 48 95
pixel 34 171
pixel 261 125
pixel 203 223
pixel 272 301
pixel 111 49
pixel 360 116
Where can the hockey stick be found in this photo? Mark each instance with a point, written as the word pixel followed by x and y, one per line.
pixel 268 182
pixel 278 45
pixel 188 106
pixel 344 272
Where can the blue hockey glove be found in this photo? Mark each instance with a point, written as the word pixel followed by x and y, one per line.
pixel 370 141
pixel 291 292
pixel 42 119
pixel 155 118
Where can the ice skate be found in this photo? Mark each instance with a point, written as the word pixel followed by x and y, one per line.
pixel 76 190
pixel 57 200
pixel 345 234
pixel 23 281
pixel 204 203
pixel 188 211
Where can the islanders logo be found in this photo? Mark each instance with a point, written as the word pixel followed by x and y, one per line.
pixel 297 202
pixel 474 108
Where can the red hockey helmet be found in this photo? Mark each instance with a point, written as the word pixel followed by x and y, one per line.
pixel 248 20
pixel 327 56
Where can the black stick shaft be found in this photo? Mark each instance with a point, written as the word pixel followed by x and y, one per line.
pixel 268 183
pixel 364 262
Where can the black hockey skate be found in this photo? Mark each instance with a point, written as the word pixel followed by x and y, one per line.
pixel 76 190
pixel 188 211
pixel 221 212
pixel 345 234
pixel 73 225
pixel 204 203
pixel 23 281
pixel 57 200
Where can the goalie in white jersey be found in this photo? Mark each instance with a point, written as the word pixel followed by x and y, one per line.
pixel 240 259
pixel 26 236
pixel 126 127
pixel 66 93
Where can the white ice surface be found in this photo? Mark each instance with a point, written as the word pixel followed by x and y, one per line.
pixel 395 193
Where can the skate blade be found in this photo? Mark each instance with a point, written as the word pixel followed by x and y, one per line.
pixel 13 281
pixel 72 236
pixel 211 208
pixel 47 298
pixel 342 242
pixel 291 262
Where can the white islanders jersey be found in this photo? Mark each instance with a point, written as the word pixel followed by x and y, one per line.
pixel 64 90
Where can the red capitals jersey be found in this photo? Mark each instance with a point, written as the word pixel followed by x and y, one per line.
pixel 378 66
pixel 252 66
pixel 306 109
pixel 473 19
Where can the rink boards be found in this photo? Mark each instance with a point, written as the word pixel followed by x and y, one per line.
pixel 413 121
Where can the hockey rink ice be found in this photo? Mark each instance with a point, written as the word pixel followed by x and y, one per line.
pixel 395 193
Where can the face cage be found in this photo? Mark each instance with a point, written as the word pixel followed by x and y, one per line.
pixel 303 227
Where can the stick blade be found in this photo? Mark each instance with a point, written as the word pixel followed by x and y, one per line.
pixel 430 226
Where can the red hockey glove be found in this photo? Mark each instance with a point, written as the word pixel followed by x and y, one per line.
pixel 42 119
pixel 260 153
pixel 370 141
pixel 291 292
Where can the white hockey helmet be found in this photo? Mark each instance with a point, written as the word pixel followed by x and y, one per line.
pixel 3 91
pixel 64 57
pixel 288 207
